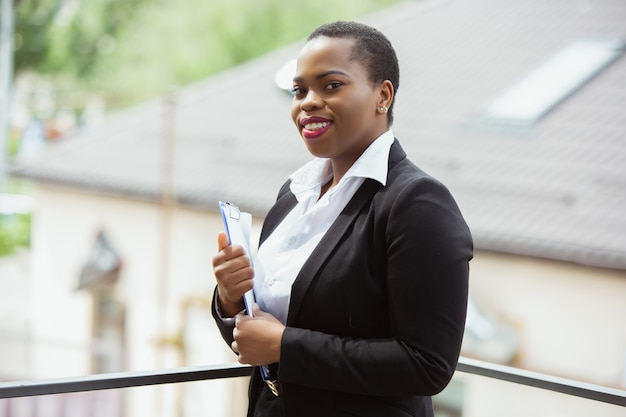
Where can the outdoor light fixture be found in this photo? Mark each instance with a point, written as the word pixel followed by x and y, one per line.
pixel 284 76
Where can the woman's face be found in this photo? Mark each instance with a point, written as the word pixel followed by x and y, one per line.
pixel 335 106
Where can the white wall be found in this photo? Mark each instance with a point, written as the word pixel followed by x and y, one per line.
pixel 570 317
pixel 65 225
pixel 14 323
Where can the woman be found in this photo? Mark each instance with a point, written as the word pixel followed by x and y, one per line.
pixel 361 276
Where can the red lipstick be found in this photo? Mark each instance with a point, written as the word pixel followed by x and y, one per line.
pixel 314 127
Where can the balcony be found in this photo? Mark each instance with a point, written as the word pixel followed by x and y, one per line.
pixel 545 395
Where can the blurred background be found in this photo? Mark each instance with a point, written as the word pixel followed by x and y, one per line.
pixel 124 122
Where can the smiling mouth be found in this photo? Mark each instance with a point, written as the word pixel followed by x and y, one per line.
pixel 313 130
pixel 316 126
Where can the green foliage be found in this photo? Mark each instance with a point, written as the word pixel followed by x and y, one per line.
pixel 13 145
pixel 32 27
pixel 53 37
pixel 132 50
pixel 14 233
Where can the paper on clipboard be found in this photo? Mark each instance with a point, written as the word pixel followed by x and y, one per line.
pixel 238 225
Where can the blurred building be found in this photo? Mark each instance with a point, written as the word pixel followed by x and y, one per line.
pixel 517 107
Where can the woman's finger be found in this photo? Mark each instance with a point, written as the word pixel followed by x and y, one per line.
pixel 222 240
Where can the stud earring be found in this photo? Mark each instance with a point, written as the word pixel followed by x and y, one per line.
pixel 383 109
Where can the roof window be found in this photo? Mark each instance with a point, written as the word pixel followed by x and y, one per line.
pixel 533 96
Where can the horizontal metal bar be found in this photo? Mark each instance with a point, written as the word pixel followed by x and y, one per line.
pixel 188 374
pixel 120 380
pixel 548 382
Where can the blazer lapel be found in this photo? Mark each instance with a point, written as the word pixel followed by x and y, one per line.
pixel 328 243
pixel 286 201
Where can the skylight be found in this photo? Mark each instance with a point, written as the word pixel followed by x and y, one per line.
pixel 549 84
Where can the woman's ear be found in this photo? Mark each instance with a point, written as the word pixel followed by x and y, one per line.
pixel 386 94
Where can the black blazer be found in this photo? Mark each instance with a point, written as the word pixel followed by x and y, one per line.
pixel 377 312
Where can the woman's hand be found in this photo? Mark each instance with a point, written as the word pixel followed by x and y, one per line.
pixel 257 338
pixel 233 272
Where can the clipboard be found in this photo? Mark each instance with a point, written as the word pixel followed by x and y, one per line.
pixel 238 225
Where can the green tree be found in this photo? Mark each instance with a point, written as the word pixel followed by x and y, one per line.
pixel 32 26
pixel 14 233
pixel 132 50
pixel 56 36
pixel 174 43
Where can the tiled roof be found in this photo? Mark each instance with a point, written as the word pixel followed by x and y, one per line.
pixel 554 190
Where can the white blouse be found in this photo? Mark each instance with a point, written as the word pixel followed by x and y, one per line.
pixel 281 256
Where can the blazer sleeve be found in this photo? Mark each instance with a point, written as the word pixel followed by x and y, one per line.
pixel 226 325
pixel 427 248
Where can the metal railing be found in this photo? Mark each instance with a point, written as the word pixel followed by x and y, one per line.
pixel 199 373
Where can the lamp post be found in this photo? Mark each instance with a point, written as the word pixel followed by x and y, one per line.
pixel 6 76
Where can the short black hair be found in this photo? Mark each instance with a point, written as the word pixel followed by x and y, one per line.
pixel 371 48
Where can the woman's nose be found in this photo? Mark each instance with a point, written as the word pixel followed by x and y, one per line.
pixel 311 101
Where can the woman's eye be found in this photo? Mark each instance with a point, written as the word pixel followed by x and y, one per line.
pixel 297 91
pixel 333 85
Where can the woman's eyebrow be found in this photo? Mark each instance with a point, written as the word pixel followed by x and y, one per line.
pixel 323 75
